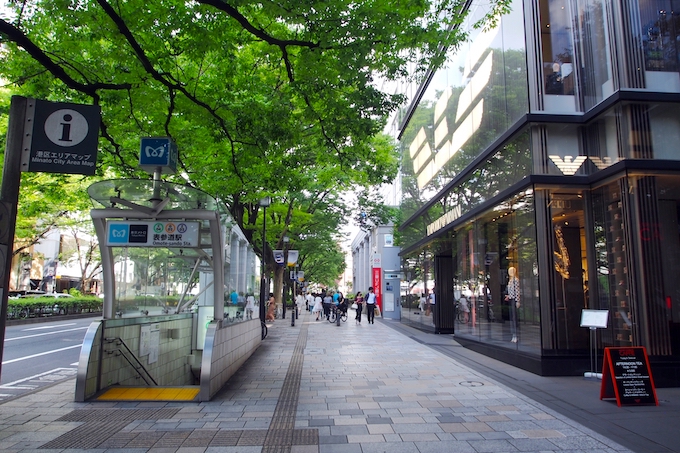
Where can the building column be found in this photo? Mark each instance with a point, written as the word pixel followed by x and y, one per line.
pixel 242 268
pixel 232 284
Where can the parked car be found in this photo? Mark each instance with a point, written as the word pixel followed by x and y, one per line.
pixel 15 294
pixel 43 294
pixel 57 295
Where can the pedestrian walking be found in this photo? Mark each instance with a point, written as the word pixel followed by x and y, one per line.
pixel 327 301
pixel 271 308
pixel 318 306
pixel 299 303
pixel 359 301
pixel 250 306
pixel 370 305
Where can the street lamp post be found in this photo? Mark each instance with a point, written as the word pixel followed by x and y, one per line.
pixel 295 295
pixel 286 240
pixel 290 262
pixel 264 202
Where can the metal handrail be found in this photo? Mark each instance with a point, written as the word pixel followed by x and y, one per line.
pixel 137 365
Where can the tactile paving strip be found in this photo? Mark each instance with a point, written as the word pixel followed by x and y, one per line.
pixel 100 425
pixel 281 435
pixel 95 415
pixel 102 428
pixel 88 435
pixel 286 407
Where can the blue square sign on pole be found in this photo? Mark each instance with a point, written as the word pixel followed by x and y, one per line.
pixel 158 152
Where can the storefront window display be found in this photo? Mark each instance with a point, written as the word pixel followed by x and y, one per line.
pixel 496 277
pixel 638 253
pixel 569 271
pixel 416 306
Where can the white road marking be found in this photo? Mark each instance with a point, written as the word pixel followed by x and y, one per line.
pixel 41 354
pixel 50 327
pixel 46 333
pixel 65 372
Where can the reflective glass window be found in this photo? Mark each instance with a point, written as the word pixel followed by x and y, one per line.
pixel 505 168
pixel 557 57
pixel 660 29
pixel 593 51
pixel 613 267
pixel 637 243
pixel 149 281
pixel 569 271
pixel 415 303
pixel 627 131
pixel 467 105
pixel 496 279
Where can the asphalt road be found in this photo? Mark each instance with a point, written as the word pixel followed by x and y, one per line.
pixel 40 354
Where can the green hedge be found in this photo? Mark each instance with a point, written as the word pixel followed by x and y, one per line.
pixel 31 307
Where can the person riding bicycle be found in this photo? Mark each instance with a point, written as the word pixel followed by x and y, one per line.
pixel 341 303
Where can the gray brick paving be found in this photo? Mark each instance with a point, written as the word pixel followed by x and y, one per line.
pixel 362 389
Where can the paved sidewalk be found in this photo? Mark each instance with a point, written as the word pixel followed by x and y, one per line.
pixel 319 388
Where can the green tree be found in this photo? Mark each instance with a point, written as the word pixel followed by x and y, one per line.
pixel 260 97
pixel 80 247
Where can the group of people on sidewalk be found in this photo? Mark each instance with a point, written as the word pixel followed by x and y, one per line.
pixel 273 308
pixel 321 304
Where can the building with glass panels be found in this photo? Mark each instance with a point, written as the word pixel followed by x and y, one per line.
pixel 541 178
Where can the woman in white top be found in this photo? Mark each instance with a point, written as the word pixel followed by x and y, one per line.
pixel 250 306
pixel 318 306
pixel 300 303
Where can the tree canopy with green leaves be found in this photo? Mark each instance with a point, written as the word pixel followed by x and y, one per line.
pixel 283 99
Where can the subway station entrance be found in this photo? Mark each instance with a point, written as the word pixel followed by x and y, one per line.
pixel 177 272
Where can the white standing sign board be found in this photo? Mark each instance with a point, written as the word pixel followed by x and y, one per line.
pixel 594 319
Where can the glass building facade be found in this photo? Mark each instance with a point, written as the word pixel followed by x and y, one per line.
pixel 547 149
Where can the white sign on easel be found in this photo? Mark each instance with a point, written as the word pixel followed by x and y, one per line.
pixel 594 319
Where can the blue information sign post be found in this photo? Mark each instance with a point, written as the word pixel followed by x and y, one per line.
pixel 158 152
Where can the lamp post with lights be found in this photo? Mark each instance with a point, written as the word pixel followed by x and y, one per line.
pixel 264 203
pixel 286 241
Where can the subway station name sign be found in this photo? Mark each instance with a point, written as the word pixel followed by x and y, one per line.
pixel 140 233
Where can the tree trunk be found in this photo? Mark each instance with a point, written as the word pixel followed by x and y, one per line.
pixel 278 284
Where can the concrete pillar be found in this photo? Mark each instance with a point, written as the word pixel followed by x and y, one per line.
pixel 242 267
pixel 232 283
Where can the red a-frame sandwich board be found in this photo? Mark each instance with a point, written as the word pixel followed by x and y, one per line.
pixel 626 376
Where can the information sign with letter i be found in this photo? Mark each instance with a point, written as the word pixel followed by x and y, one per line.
pixel 626 376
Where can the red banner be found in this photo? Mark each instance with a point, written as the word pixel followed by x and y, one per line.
pixel 377 285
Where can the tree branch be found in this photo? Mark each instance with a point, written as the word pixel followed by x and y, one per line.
pixel 158 76
pixel 20 39
pixel 257 32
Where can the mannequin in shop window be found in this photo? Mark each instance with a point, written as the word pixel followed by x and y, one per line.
pixel 513 299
